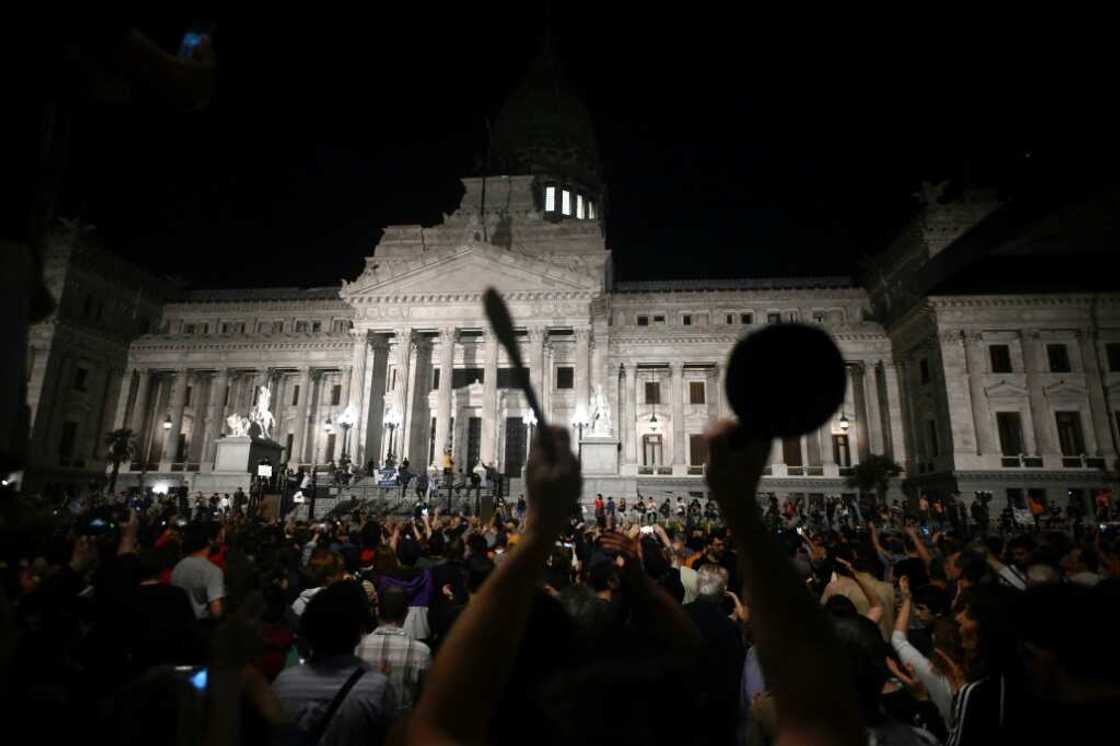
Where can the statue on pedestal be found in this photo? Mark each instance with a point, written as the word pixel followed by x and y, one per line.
pixel 260 415
pixel 238 425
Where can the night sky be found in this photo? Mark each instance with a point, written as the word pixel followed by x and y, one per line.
pixel 732 145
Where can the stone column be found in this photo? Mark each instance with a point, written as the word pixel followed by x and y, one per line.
pixel 582 371
pixel 215 411
pixel 447 338
pixel 420 411
pixel 139 413
pixel 981 416
pixel 1034 355
pixel 628 423
pixel 171 437
pixel 121 411
pixel 855 439
pixel 536 362
pixel 957 412
pixel 874 418
pixel 110 391
pixel 896 446
pixel 400 395
pixel 308 377
pixel 488 447
pixel 356 400
pixel 676 401
pixel 824 436
pixel 378 373
pixel 1095 384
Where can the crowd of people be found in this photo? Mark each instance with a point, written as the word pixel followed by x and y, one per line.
pixel 730 620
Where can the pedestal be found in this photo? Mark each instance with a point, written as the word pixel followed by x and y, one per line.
pixel 242 453
pixel 599 456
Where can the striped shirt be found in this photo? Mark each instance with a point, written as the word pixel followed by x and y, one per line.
pixel 405 661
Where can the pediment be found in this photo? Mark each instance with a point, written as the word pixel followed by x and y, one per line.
pixel 466 270
pixel 1005 390
pixel 1064 389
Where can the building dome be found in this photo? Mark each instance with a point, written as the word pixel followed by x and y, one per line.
pixel 544 129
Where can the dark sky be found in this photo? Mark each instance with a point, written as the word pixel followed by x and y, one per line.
pixel 732 145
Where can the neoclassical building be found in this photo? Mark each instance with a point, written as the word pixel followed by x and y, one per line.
pixel 996 391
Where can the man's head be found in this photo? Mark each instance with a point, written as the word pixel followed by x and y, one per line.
pixel 392 606
pixel 200 536
pixel 1019 550
pixel 335 619
pixel 478 570
pixel 716 546
pixel 711 582
pixel 326 567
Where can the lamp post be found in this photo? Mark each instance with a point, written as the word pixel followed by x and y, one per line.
pixel 530 421
pixel 844 424
pixel 392 421
pixel 346 421
pixel 580 421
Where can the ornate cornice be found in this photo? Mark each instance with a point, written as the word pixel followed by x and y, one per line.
pixel 172 345
pixel 426 298
pixel 1006 301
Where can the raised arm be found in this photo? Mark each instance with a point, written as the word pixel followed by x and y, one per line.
pixel 475 661
pixel 875 611
pixel 920 546
pixel 800 656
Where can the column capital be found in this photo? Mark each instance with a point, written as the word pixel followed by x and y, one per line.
pixel 537 334
pixel 677 367
pixel 582 334
pixel 448 334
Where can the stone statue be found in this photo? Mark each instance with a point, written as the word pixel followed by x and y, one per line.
pixel 260 415
pixel 238 425
pixel 600 413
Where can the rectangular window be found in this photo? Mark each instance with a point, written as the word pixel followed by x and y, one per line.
pixel 301 326
pixel 507 378
pixel 659 319
pixel 316 326
pixel 80 377
pixel 566 202
pixel 461 377
pixel 819 317
pixel 746 318
pixel 933 448
pixel 579 206
pixel 590 210
pixel 393 379
pixel 336 394
pixel 923 370
pixel 188 328
pixel 1059 358
pixel 66 442
pixel 696 392
pixel 277 327
pixel 474 442
pixel 295 395
pixel 432 442
pixel 288 447
pixel 730 318
pixel 1070 437
pixel 686 320
pixel 1112 351
pixel 697 450
pixel 565 377
pixel 773 318
pixel 435 379
pixel 643 321
pixel 651 450
pixel 791 451
pixel 1015 498
pixel 1001 358
pixel 329 454
pixel 840 452
pixel 1010 428
pixel 653 392
pixel 550 199
pixel 187 396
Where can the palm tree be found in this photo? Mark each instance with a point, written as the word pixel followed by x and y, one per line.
pixel 121 446
pixel 874 473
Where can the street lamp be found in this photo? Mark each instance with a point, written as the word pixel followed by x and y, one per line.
pixel 654 425
pixel 392 421
pixel 844 424
pixel 530 420
pixel 346 421
pixel 581 420
pixel 167 422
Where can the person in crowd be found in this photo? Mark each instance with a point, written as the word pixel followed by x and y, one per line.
pixel 325 568
pixel 197 575
pixel 389 649
pixel 336 697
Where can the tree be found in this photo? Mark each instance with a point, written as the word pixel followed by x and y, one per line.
pixel 121 446
pixel 873 474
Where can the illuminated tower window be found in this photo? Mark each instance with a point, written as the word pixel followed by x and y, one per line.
pixel 550 199
pixel 566 202
pixel 590 210
pixel 579 207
